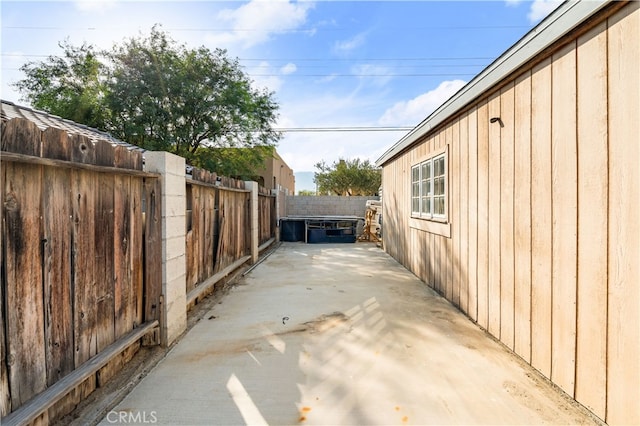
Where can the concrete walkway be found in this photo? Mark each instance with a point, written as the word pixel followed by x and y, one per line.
pixel 340 335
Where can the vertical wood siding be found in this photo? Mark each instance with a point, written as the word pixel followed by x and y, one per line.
pixel 545 229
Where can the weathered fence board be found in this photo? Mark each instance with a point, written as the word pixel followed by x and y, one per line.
pixel 5 395
pixel 84 267
pixel 56 213
pixel 21 136
pixel 153 250
pixel 25 319
pixel 104 258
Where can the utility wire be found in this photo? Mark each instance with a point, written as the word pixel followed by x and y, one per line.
pixel 279 30
pixel 342 129
pixel 450 58
pixel 340 75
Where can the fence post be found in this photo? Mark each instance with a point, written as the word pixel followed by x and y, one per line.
pixel 255 238
pixel 173 198
pixel 276 193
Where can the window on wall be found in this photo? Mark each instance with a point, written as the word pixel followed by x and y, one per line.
pixel 429 188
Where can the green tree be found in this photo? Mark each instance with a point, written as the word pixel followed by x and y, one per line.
pixel 70 86
pixel 348 177
pixel 164 96
pixel 159 95
pixel 306 192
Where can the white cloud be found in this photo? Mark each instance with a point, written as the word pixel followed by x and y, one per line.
pixel 374 75
pixel 541 8
pixel 289 69
pixel 253 23
pixel 351 44
pixel 417 109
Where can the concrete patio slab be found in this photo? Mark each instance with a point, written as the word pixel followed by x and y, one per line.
pixel 340 335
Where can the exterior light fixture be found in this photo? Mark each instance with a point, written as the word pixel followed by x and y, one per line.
pixel 497 119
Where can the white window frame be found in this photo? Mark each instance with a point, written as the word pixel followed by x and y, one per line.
pixel 424 198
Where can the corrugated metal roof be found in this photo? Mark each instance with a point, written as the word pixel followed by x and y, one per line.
pixel 43 120
pixel 561 21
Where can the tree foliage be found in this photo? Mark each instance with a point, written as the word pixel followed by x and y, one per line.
pixel 70 86
pixel 348 177
pixel 160 95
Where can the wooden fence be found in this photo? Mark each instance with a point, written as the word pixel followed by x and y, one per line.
pixel 78 262
pixel 216 215
pixel 218 226
pixel 267 220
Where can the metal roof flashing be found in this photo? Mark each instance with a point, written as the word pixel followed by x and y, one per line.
pixel 561 21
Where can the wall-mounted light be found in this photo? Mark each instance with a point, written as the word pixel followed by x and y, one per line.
pixel 497 119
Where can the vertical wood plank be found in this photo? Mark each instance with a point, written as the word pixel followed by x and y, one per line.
pixel 21 136
pixel 473 214
pixel 196 228
pixel 522 217
pixel 591 340
pixel 153 250
pixel 57 247
pixel 208 230
pixel 5 391
pixel 124 300
pixel 137 251
pixel 447 242
pixel 104 258
pixel 84 265
pixel 202 245
pixel 541 217
pixel 507 256
pixel 495 132
pixel 82 150
pixel 454 210
pixel 623 392
pixel 483 214
pixel 464 214
pixel 58 307
pixel 22 236
pixel 565 218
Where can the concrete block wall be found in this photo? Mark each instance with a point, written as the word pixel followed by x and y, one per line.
pixel 174 273
pixel 327 205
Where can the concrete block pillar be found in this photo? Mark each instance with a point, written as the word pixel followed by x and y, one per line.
pixel 255 238
pixel 173 199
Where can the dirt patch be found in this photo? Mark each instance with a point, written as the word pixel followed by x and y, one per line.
pixel 327 322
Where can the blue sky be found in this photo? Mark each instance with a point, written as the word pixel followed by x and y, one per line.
pixel 330 63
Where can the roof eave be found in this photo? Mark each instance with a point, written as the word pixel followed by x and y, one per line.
pixel 561 21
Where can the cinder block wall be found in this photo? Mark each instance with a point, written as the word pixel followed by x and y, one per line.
pixel 298 205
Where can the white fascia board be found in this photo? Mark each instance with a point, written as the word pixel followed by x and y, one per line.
pixel 565 18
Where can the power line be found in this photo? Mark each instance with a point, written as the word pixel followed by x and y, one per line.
pixel 434 58
pixel 293 75
pixel 343 129
pixel 279 30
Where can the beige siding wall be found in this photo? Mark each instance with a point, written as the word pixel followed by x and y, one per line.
pixel 544 243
